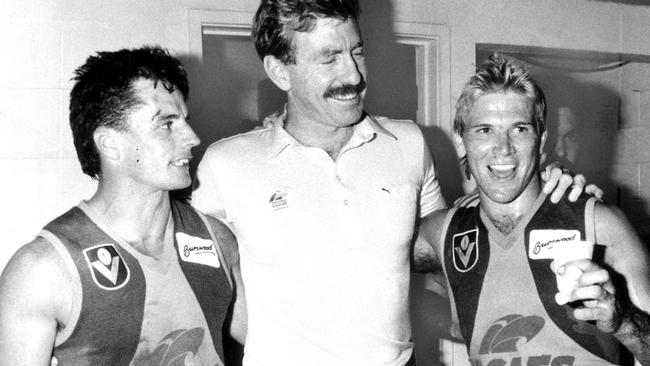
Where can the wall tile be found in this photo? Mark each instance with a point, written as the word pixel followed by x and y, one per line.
pixel 33 55
pixel 635 29
pixel 31 192
pixel 30 120
pixel 75 185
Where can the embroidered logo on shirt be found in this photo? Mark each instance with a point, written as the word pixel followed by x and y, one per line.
pixel 465 248
pixel 505 341
pixel 543 242
pixel 196 250
pixel 278 200
pixel 180 346
pixel 108 269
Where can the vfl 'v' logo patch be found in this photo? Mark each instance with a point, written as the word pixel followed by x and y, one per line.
pixel 108 269
pixel 465 250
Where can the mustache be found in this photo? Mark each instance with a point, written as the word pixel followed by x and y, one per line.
pixel 346 89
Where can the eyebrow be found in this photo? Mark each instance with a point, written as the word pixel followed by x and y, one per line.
pixel 331 51
pixel 166 117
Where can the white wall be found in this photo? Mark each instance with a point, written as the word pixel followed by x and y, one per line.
pixel 43 41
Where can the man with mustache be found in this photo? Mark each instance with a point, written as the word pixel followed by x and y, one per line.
pixel 128 277
pixel 323 200
pixel 500 256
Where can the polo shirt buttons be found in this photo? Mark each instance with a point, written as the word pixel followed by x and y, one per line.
pixel 338 177
pixel 345 202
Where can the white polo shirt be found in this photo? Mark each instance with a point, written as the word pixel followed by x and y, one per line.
pixel 324 245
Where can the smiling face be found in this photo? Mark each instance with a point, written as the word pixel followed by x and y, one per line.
pixel 503 147
pixel 155 146
pixel 326 84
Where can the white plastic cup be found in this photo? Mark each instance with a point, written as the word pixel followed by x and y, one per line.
pixel 564 253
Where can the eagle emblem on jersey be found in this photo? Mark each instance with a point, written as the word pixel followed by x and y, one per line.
pixel 465 248
pixel 509 332
pixel 108 269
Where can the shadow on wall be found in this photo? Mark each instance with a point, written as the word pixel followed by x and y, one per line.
pixel 583 128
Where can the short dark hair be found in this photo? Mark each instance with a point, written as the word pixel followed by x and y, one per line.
pixel 276 19
pixel 103 93
pixel 501 74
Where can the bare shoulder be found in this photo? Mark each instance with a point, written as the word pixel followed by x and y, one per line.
pixel 36 295
pixel 36 279
pixel 226 239
pixel 624 246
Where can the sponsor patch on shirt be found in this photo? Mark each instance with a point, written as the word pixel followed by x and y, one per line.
pixel 278 199
pixel 465 247
pixel 543 242
pixel 196 250
pixel 108 269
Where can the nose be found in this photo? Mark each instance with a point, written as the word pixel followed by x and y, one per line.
pixel 353 70
pixel 503 145
pixel 189 136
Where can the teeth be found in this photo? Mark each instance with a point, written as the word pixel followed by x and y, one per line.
pixel 345 96
pixel 181 162
pixel 502 170
pixel 502 167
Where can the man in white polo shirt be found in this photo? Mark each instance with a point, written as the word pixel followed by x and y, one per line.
pixel 323 200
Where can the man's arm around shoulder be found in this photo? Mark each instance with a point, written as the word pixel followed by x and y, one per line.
pixel 36 292
pixel 228 243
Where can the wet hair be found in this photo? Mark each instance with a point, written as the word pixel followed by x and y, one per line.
pixel 276 20
pixel 104 94
pixel 499 74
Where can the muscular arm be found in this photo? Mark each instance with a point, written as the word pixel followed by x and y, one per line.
pixel 628 256
pixel 427 244
pixel 239 322
pixel 617 296
pixel 35 301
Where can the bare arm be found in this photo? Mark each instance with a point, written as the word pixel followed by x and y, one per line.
pixel 617 296
pixel 427 244
pixel 239 321
pixel 35 300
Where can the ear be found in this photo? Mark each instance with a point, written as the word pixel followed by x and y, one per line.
pixel 277 71
pixel 460 147
pixel 542 143
pixel 107 142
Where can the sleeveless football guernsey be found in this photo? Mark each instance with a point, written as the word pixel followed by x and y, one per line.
pixel 504 295
pixel 134 309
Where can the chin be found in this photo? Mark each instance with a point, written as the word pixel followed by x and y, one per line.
pixel 180 184
pixel 501 196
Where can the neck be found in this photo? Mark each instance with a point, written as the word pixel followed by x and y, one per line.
pixel 139 219
pixel 330 138
pixel 505 216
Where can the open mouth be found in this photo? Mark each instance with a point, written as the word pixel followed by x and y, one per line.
pixel 345 97
pixel 502 170
pixel 181 162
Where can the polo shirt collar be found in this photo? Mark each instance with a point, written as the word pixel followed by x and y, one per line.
pixel 363 132
pixel 369 127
